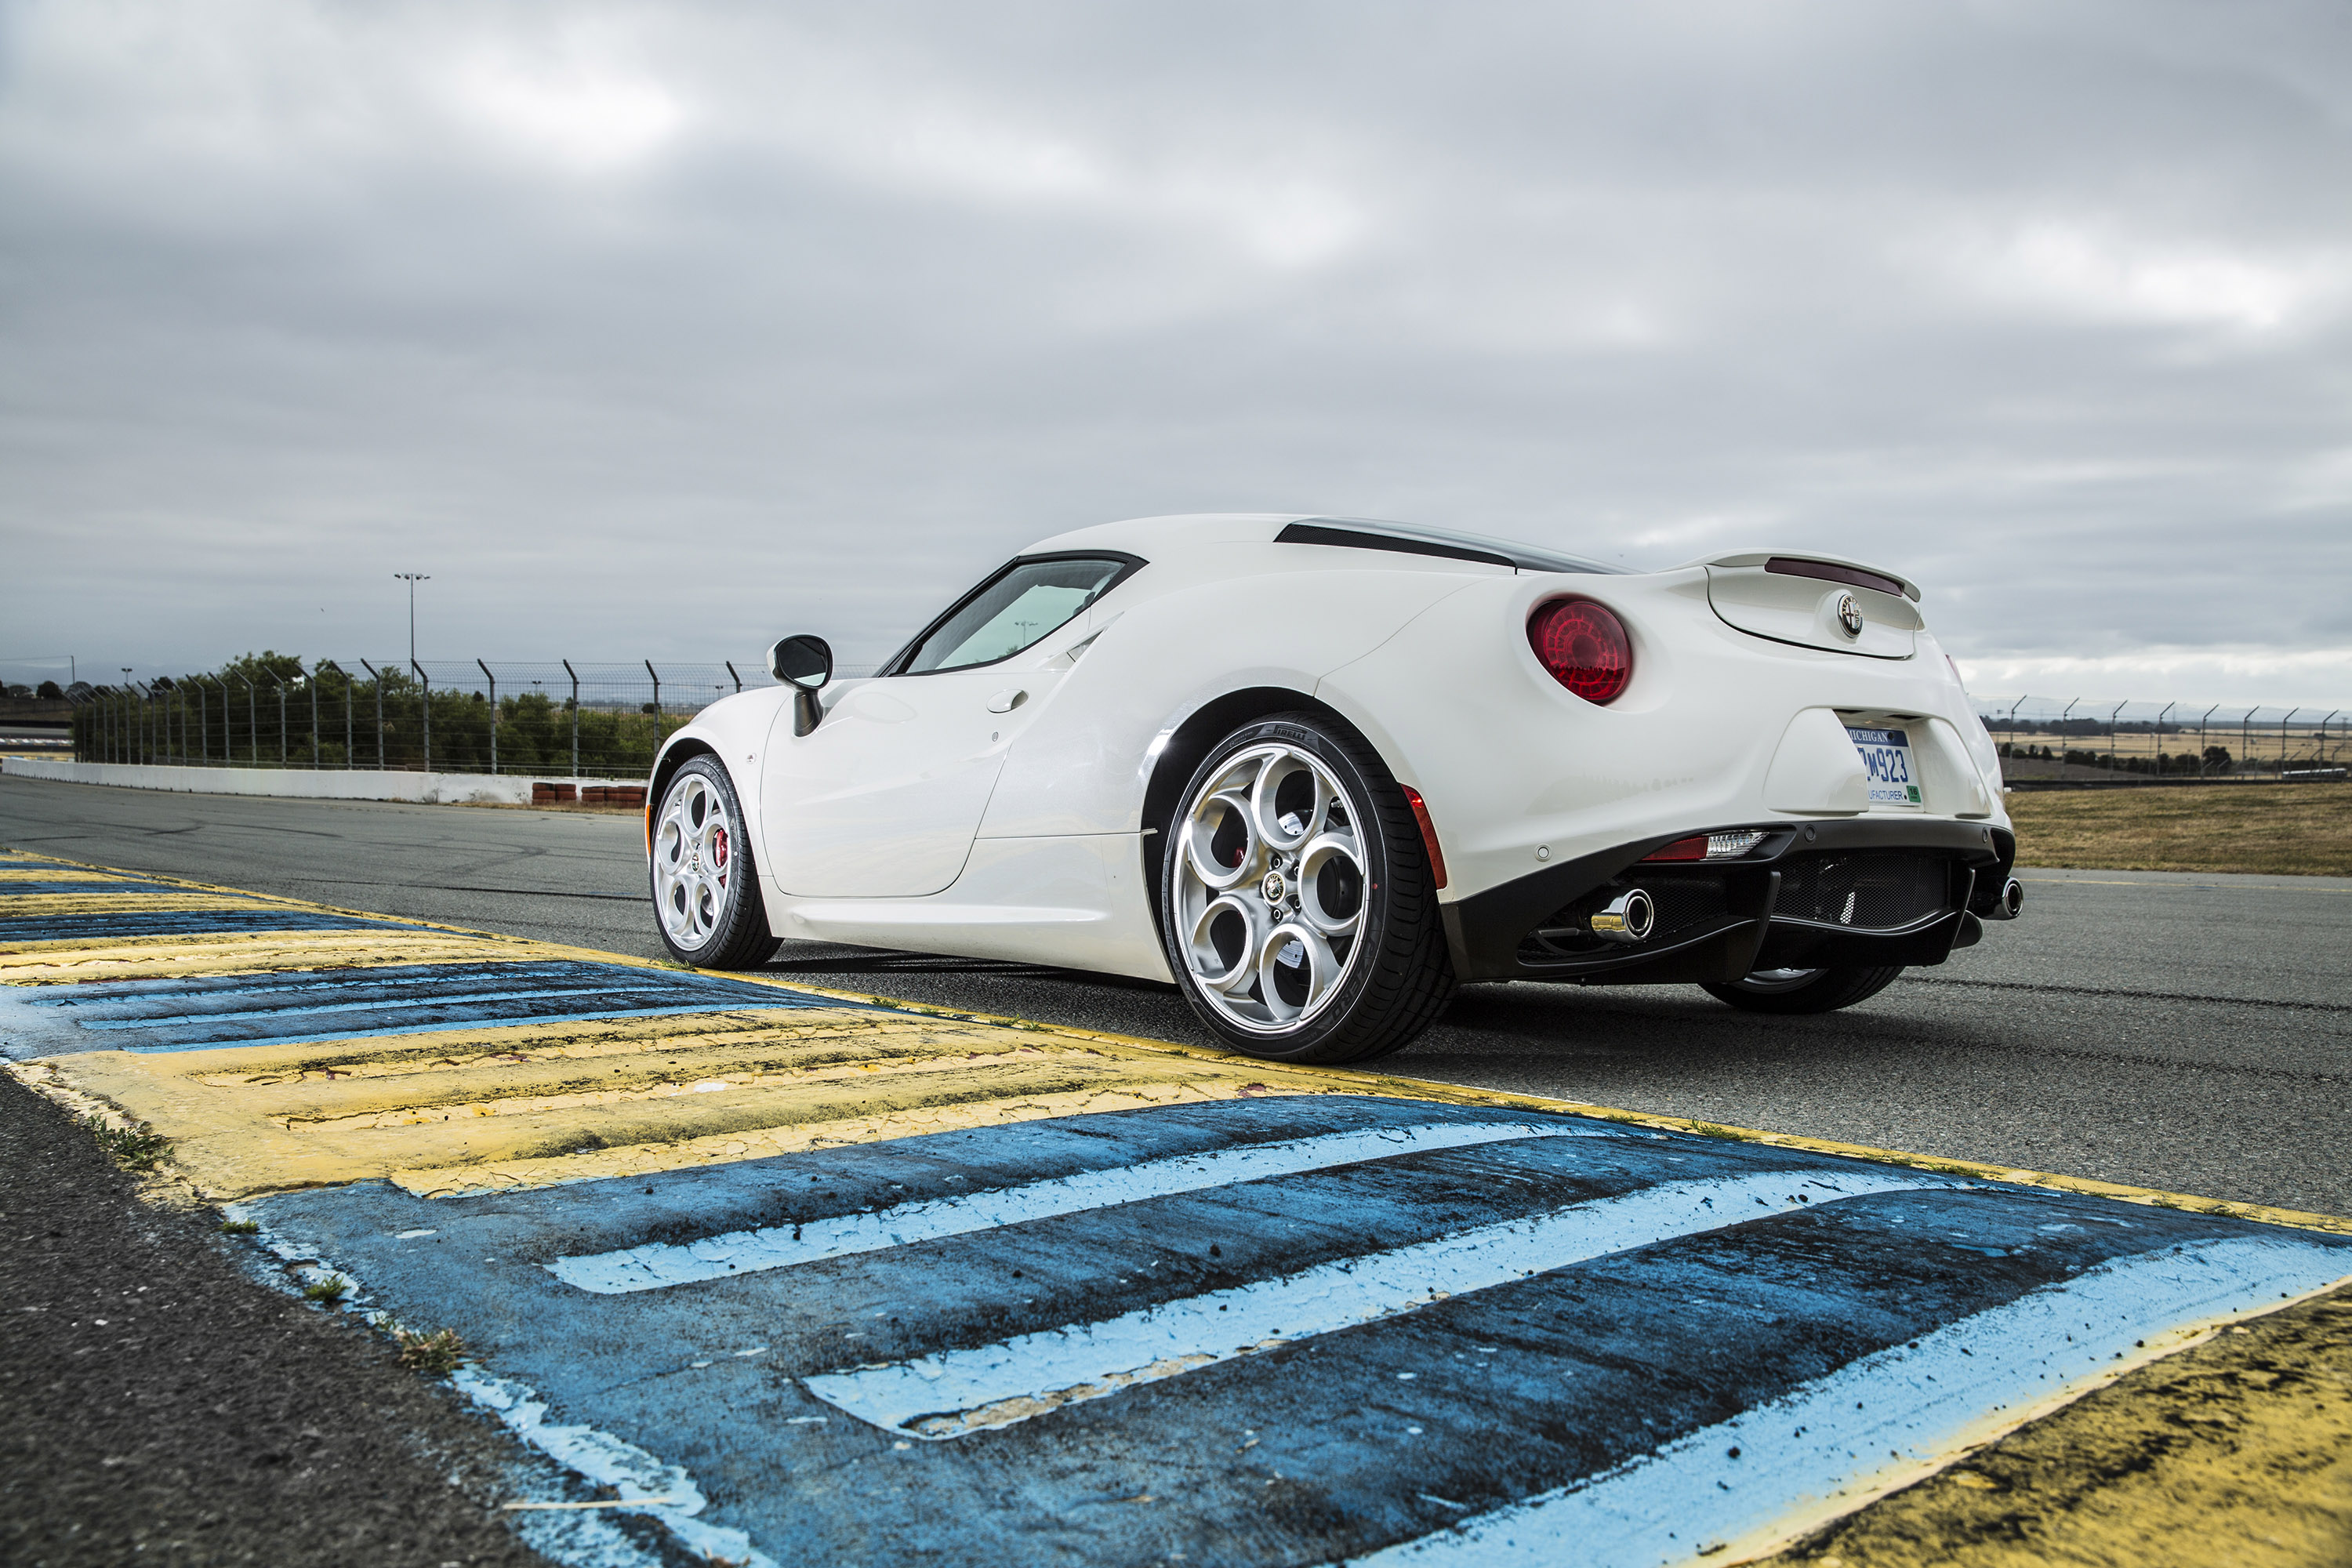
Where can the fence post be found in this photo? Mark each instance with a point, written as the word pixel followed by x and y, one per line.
pixel 2111 732
pixel 281 719
pixel 575 716
pixel 731 675
pixel 494 716
pixel 657 713
pixel 425 707
pixel 350 760
pixel 204 723
pixel 2246 735
pixel 376 675
pixel 311 681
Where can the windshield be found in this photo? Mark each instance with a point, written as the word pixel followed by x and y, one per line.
pixel 1024 601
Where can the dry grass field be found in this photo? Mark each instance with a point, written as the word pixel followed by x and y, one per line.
pixel 2291 830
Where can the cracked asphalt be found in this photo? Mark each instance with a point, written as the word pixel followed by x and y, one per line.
pixel 2188 1033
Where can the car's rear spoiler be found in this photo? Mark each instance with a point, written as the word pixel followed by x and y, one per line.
pixel 1812 564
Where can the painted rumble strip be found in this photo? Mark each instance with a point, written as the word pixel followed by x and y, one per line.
pixel 1442 1354
pixel 943 1396
pixel 663 1264
pixel 731 1250
pixel 299 1007
pixel 1732 1485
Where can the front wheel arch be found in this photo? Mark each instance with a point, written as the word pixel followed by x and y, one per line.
pixel 666 767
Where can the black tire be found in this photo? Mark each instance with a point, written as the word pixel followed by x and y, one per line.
pixel 1804 990
pixel 706 888
pixel 1397 977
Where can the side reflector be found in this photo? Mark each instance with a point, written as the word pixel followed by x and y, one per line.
pixel 1428 834
pixel 1691 849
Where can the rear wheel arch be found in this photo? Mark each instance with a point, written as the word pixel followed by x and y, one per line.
pixel 1190 743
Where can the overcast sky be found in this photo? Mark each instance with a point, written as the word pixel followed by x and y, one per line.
pixel 663 330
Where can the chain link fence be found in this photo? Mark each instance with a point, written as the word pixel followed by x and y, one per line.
pixel 575 718
pixel 568 719
pixel 2061 739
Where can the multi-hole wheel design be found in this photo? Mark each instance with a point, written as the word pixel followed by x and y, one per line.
pixel 1297 900
pixel 695 841
pixel 1270 891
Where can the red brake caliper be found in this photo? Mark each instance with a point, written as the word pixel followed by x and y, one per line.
pixel 719 853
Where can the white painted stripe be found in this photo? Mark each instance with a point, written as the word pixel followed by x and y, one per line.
pixel 946 1396
pixel 1882 1421
pixel 646 1485
pixel 656 1265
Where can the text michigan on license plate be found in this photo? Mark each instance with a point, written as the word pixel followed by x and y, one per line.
pixel 1887 759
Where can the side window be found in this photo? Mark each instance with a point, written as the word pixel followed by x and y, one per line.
pixel 1027 600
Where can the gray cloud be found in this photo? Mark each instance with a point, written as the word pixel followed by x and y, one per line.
pixel 662 330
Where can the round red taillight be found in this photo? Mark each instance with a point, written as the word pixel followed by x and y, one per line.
pixel 1584 646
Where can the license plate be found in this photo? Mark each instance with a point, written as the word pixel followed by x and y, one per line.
pixel 1886 759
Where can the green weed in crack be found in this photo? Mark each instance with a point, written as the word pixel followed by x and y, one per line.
pixel 438 1353
pixel 138 1147
pixel 328 1292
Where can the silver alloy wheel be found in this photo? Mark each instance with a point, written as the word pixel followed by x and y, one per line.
pixel 694 860
pixel 1271 886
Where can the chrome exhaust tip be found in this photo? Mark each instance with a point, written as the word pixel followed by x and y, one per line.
pixel 2011 900
pixel 1628 917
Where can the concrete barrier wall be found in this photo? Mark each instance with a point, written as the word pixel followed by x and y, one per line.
pixel 424 789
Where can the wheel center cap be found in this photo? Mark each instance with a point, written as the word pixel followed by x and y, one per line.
pixel 1274 886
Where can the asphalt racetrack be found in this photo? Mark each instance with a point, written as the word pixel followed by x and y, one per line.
pixel 2187 1033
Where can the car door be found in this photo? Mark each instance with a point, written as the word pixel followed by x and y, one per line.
pixel 883 798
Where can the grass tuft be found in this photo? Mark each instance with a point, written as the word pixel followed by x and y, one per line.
pixel 328 1292
pixel 135 1148
pixel 438 1354
pixel 240 1226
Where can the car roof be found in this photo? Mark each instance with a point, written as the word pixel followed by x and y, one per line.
pixel 1151 536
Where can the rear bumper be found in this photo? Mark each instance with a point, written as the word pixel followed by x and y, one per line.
pixel 1872 890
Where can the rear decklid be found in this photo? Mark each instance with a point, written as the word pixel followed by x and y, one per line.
pixel 1816 601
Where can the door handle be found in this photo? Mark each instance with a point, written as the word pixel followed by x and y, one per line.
pixel 1006 701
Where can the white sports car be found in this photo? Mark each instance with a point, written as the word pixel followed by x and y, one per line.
pixel 1321 771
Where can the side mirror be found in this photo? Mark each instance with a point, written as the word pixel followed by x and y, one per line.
pixel 805 663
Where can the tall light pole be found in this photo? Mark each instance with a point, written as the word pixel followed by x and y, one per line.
pixel 411 579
